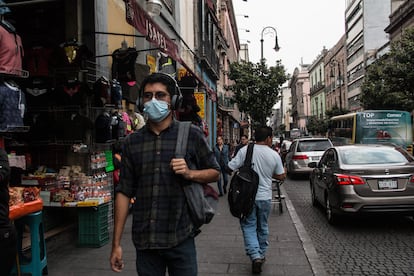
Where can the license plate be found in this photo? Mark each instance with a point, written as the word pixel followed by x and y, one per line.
pixel 315 158
pixel 387 184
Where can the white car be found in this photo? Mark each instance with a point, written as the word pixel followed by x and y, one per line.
pixel 303 151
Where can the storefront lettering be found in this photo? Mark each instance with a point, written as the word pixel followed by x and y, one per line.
pixel 154 35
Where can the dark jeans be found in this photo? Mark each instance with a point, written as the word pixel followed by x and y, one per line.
pixel 8 245
pixel 222 186
pixel 180 260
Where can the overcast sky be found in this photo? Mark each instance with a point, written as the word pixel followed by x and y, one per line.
pixel 303 28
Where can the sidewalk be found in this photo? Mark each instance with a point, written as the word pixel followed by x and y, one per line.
pixel 219 247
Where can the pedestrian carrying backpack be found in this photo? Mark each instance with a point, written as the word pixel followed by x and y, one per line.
pixel 243 188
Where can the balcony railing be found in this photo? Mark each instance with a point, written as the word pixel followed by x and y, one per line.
pixel 317 87
pixel 225 102
pixel 210 58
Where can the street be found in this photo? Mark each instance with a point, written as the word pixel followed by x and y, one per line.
pixel 380 245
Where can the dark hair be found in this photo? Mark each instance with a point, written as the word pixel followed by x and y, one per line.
pixel 163 78
pixel 245 136
pixel 261 133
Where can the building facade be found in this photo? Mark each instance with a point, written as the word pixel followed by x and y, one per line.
pixel 300 89
pixel 365 21
pixel 335 77
pixel 317 86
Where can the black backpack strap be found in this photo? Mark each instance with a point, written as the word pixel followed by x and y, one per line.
pixel 182 138
pixel 249 154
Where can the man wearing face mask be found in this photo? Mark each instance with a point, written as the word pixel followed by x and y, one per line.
pixel 162 230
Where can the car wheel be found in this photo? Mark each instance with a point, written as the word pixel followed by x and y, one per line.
pixel 330 215
pixel 313 195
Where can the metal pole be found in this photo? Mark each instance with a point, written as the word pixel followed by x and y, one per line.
pixel 340 86
pixel 276 48
pixel 261 49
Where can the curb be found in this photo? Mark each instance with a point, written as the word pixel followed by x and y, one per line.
pixel 310 251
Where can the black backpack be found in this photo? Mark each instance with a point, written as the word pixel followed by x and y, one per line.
pixel 243 188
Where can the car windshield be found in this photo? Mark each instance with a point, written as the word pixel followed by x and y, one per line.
pixel 365 156
pixel 315 145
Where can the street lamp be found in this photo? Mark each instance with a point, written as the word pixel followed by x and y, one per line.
pixel 276 48
pixel 154 7
pixel 334 63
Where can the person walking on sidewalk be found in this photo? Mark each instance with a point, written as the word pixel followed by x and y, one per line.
pixel 221 152
pixel 267 163
pixel 8 235
pixel 162 231
pixel 244 140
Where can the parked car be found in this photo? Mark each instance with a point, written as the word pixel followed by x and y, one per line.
pixel 356 179
pixel 303 151
pixel 284 149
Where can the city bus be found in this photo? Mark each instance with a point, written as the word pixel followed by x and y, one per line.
pixel 372 127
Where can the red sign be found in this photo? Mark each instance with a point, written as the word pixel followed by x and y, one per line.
pixel 137 17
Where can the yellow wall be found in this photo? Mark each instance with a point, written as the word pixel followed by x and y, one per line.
pixel 117 24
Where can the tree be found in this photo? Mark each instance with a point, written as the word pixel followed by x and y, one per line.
pixel 256 88
pixel 335 111
pixel 389 81
pixel 317 126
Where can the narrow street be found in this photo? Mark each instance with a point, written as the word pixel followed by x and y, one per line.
pixel 376 245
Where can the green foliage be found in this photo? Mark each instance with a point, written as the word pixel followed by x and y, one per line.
pixel 256 88
pixel 389 82
pixel 335 111
pixel 317 126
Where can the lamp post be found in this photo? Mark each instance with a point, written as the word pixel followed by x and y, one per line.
pixel 154 7
pixel 276 48
pixel 334 63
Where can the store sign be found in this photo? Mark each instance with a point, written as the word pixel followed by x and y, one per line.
pixel 152 63
pixel 201 99
pixel 138 17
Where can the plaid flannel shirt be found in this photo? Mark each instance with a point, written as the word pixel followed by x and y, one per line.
pixel 160 215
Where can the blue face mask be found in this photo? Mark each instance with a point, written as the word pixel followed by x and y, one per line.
pixel 156 110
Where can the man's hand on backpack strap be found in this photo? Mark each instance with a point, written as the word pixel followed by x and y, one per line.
pixel 179 166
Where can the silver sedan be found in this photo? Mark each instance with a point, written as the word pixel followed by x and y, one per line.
pixel 354 179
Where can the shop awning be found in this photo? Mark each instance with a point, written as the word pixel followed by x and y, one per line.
pixel 142 22
pixel 137 17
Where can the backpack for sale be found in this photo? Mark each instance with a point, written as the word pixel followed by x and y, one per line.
pixel 243 188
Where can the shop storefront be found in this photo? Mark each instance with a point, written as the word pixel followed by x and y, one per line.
pixel 68 117
pixel 76 92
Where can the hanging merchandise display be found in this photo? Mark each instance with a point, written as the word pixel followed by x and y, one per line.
pixel 123 64
pixel 72 54
pixel 116 94
pixel 12 106
pixel 63 158
pixel 167 65
pixel 12 103
pixel 11 50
